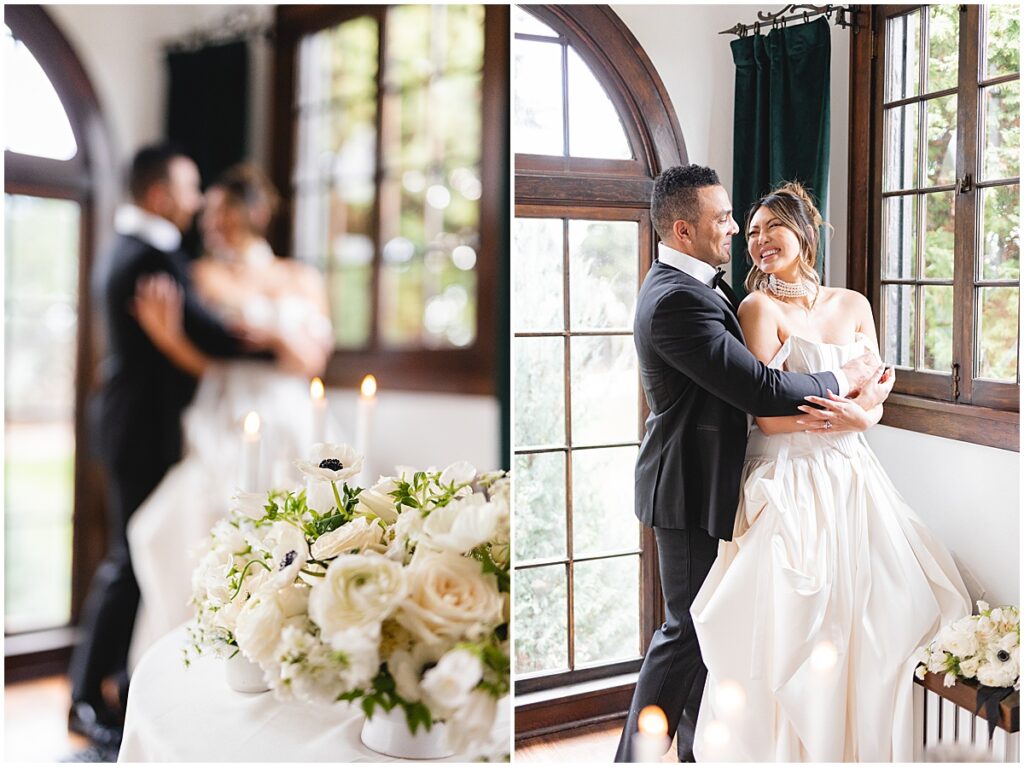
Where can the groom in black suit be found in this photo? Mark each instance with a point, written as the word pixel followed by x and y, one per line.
pixel 137 418
pixel 700 382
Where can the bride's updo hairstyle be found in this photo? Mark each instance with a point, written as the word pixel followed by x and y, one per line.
pixel 792 205
pixel 248 189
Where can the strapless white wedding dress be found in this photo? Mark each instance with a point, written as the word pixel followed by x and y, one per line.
pixel 196 492
pixel 809 617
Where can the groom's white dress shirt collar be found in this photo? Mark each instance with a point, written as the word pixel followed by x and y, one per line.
pixel 132 221
pixel 694 267
pixel 705 272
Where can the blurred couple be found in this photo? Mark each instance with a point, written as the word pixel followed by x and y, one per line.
pixel 190 349
pixel 797 582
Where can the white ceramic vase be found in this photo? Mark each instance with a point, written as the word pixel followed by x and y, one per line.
pixel 387 732
pixel 243 675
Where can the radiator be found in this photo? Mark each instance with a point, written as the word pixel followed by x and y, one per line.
pixel 947 732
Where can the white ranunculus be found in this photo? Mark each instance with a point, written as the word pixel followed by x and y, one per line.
pixel 352 537
pixel 450 598
pixel 961 640
pixel 460 526
pixel 320 495
pixel 458 473
pixel 376 501
pixel 260 622
pixel 332 463
pixel 447 685
pixel 469 727
pixel 969 667
pixel 358 590
pixel 251 505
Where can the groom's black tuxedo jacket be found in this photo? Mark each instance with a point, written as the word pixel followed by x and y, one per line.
pixel 700 380
pixel 138 412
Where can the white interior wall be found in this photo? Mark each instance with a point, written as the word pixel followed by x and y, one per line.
pixel 121 47
pixel 967 494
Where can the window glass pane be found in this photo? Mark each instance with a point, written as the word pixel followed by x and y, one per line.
pixel 595 129
pixel 540 506
pixel 40 331
pixel 943 46
pixel 602 499
pixel 604 273
pixel 941 140
pixel 997 345
pixel 36 123
pixel 541 619
pixel 938 328
pixel 524 23
pixel 538 269
pixel 464 26
pixel 902 56
pixel 1000 131
pixel 539 391
pixel 607 620
pixel 537 77
pixel 938 235
pixel 999 247
pixel 1002 39
pixel 901 137
pixel 900 327
pixel 900 236
pixel 604 390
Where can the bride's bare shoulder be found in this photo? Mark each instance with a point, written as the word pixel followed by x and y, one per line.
pixel 757 304
pixel 848 299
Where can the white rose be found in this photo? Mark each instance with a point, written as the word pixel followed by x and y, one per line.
pixel 331 463
pixel 460 526
pixel 969 667
pixel 469 728
pixel 447 685
pixel 357 590
pixel 458 473
pixel 377 502
pixel 354 536
pixel 262 619
pixel 251 505
pixel 449 598
pixel 320 495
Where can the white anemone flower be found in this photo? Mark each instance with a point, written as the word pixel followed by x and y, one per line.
pixel 331 463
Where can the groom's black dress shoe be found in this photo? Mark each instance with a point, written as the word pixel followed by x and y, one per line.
pixel 98 723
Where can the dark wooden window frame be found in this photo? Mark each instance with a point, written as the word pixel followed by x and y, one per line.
pixel 90 179
pixel 985 413
pixel 467 371
pixel 569 187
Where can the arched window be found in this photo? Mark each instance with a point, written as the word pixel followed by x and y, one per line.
pixel 593 127
pixel 57 188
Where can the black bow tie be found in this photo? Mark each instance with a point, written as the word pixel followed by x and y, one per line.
pixel 721 284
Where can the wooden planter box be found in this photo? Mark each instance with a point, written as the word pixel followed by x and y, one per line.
pixel 965 695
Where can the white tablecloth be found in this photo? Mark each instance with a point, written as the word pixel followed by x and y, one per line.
pixel 179 714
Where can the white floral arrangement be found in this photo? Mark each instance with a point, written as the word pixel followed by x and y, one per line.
pixel 391 596
pixel 985 647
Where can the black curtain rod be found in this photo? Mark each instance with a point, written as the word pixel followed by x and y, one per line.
pixel 845 16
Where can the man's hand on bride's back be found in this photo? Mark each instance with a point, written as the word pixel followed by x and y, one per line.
pixel 862 370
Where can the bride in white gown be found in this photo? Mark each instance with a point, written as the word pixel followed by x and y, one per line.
pixel 810 616
pixel 282 305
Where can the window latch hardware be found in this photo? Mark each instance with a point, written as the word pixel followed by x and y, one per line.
pixel 956 381
pixel 965 184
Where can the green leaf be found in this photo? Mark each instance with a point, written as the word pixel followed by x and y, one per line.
pixel 368 705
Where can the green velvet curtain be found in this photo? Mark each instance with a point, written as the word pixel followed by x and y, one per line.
pixel 781 123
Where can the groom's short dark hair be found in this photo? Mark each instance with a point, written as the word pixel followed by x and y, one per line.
pixel 150 165
pixel 675 195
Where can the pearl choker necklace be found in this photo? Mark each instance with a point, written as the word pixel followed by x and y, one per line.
pixel 790 289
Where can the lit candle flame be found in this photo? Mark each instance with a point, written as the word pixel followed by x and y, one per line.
pixel 652 721
pixel 316 389
pixel 369 387
pixel 252 423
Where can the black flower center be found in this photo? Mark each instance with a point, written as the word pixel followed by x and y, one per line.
pixel 288 559
pixel 332 463
pixel 1003 655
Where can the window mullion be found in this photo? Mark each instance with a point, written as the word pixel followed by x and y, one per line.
pixel 965 238
pixel 374 342
pixel 567 351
